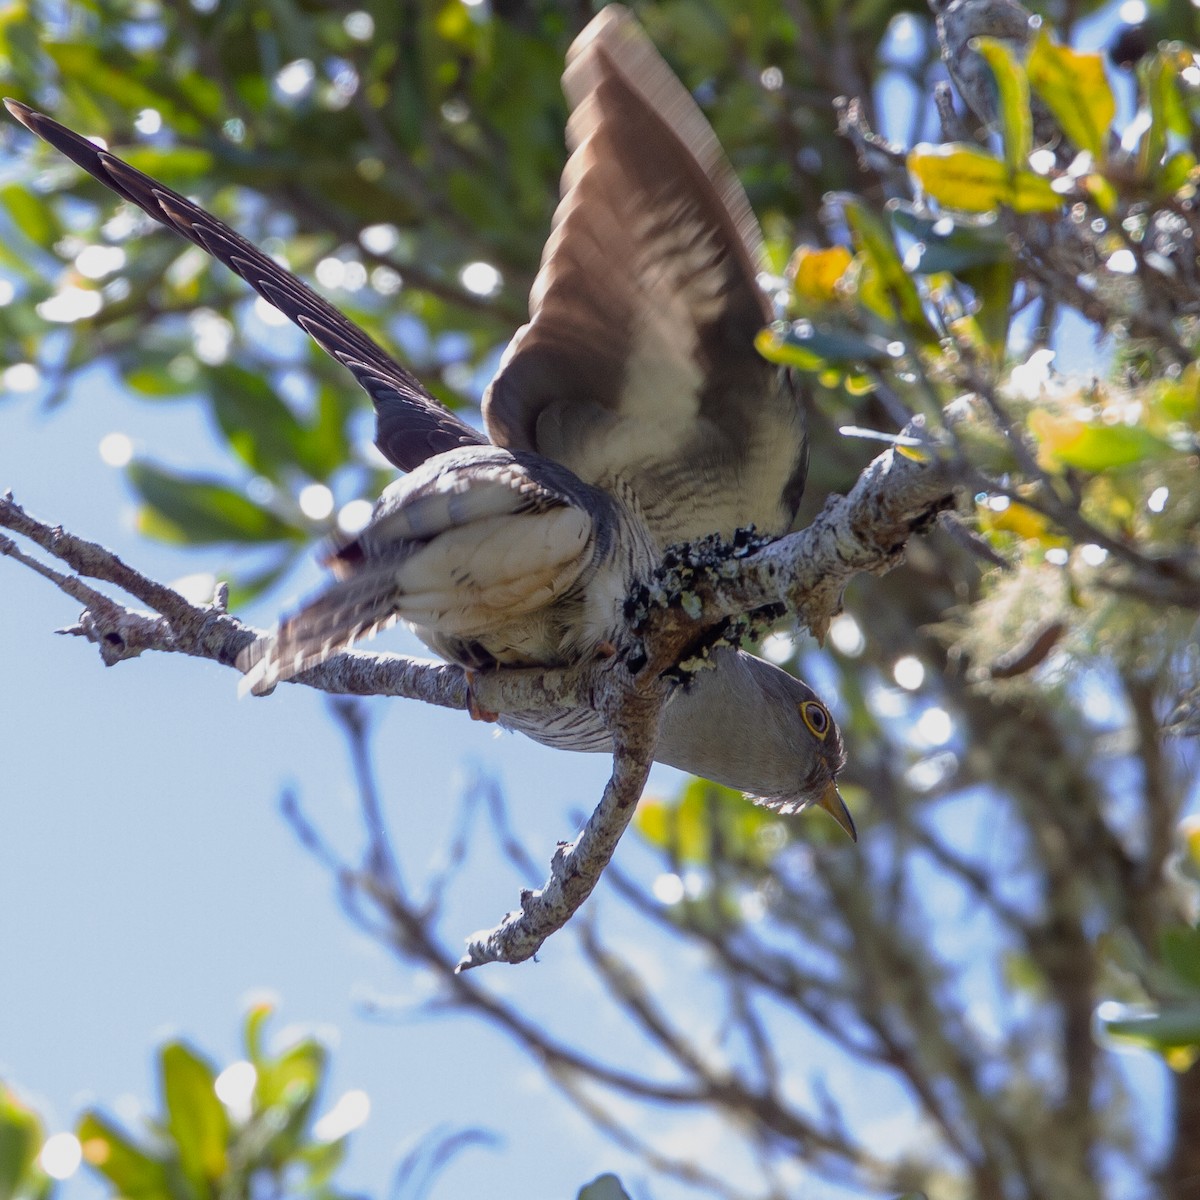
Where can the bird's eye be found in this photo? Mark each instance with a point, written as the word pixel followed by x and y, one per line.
pixel 816 717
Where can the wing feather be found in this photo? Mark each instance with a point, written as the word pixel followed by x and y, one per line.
pixel 411 424
pixel 638 366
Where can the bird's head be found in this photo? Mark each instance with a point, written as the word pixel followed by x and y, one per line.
pixel 748 725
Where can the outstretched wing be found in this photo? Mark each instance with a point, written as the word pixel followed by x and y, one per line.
pixel 638 367
pixel 411 425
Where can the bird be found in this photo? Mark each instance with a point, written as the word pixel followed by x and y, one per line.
pixel 630 414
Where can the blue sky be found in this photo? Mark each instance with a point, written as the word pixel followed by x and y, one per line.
pixel 148 883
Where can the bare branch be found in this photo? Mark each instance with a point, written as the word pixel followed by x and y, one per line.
pixel 576 867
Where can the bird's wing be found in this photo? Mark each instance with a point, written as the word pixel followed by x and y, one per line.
pixel 638 365
pixel 411 424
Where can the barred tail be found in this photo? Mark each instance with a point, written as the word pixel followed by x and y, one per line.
pixel 343 614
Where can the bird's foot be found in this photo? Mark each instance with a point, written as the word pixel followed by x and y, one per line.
pixel 476 710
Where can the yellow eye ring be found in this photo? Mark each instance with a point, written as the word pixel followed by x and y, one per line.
pixel 816 717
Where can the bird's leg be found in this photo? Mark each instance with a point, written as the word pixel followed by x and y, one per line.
pixel 476 710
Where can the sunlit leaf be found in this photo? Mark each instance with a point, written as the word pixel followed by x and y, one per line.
pixel 1178 399
pixel 1012 86
pixel 962 176
pixel 134 1173
pixel 1018 519
pixel 1177 172
pixel 195 1117
pixel 815 273
pixel 1072 442
pixel 290 1084
pixel 1074 87
pixel 257 1016
pixel 684 826
pixel 21 1137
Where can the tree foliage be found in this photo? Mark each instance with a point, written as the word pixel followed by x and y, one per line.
pixel 1020 699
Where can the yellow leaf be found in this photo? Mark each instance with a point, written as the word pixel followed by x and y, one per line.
pixel 1103 194
pixel 1189 833
pixel 961 176
pixel 1017 519
pixel 815 273
pixel 774 348
pixel 1075 89
pixel 1181 1058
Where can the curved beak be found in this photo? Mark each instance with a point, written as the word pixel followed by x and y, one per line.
pixel 831 801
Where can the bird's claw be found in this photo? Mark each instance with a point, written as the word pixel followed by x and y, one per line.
pixel 474 708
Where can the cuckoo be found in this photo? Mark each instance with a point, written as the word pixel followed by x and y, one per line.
pixel 631 413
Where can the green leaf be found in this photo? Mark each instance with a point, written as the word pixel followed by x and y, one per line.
pixel 295 1076
pixel 257 1015
pixel 171 164
pixel 1012 84
pixel 133 1172
pixel 1180 949
pixel 1176 172
pixel 29 214
pixel 603 1187
pixel 1074 87
pixel 874 242
pixel 287 1091
pixel 87 71
pixel 1173 1027
pixel 1070 442
pixel 993 285
pixel 946 244
pixel 188 509
pixel 962 176
pixel 259 427
pixel 21 1137
pixel 325 445
pixel 322 1159
pixel 1158 77
pixel 684 827
pixel 195 1117
pixel 813 347
pixel 245 587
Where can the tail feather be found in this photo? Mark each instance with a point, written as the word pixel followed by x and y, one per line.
pixel 348 612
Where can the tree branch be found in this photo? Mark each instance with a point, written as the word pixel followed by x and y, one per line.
pixel 805 574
